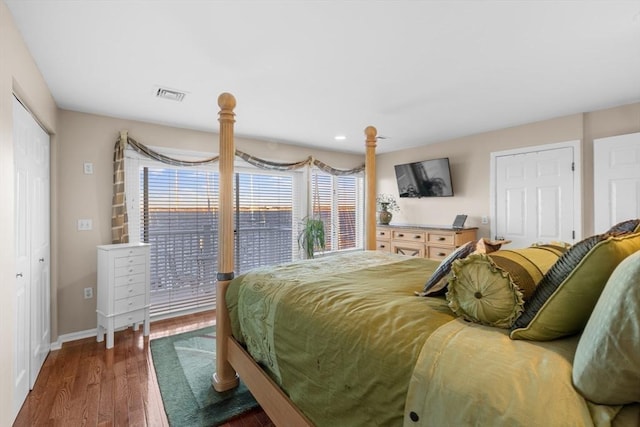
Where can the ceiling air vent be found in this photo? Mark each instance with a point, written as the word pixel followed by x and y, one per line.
pixel 170 94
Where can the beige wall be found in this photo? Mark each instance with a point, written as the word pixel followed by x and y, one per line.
pixel 470 159
pixel 90 138
pixel 78 138
pixel 18 74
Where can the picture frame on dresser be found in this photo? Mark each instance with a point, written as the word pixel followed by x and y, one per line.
pixel 458 222
pixel 123 288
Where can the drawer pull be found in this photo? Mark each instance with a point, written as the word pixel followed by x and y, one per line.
pixel 441 254
pixel 441 238
pixel 400 235
pixel 382 246
pixel 417 236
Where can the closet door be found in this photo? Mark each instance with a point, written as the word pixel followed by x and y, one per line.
pixel 535 194
pixel 32 215
pixel 23 266
pixel 40 315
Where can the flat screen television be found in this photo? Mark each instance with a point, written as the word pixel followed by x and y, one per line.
pixel 428 178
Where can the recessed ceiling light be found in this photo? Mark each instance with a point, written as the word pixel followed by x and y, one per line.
pixel 340 137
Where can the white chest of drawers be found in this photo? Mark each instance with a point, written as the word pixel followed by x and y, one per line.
pixel 123 288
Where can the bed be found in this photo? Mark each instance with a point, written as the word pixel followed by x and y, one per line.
pixel 344 340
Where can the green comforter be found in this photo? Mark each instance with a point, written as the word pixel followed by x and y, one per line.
pixel 340 334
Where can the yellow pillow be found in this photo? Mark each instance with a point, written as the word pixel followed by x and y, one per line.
pixel 527 266
pixel 559 309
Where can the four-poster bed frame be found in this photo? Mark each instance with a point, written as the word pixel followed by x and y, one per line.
pixel 406 358
pixel 232 360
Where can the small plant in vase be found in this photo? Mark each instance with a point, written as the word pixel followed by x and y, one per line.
pixel 386 206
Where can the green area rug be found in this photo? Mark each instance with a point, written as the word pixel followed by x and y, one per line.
pixel 184 365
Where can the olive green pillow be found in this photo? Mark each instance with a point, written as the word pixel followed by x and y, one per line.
pixel 437 283
pixel 606 367
pixel 559 309
pixel 491 288
pixel 481 292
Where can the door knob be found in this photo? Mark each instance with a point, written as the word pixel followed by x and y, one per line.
pixel 19 275
pixel 41 260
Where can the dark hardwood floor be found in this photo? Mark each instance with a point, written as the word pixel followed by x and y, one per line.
pixel 83 384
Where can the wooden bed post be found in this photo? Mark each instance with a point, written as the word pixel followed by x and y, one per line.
pixel 225 377
pixel 370 184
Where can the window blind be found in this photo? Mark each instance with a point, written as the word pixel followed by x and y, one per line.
pixel 338 201
pixel 266 211
pixel 179 218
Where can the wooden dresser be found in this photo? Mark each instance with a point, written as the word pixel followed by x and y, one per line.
pixel 123 288
pixel 423 241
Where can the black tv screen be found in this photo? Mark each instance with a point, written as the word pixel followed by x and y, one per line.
pixel 428 178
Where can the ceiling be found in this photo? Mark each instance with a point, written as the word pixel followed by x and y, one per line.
pixel 304 72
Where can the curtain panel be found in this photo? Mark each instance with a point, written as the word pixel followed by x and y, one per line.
pixel 119 219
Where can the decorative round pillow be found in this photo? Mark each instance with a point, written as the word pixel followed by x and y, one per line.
pixel 483 293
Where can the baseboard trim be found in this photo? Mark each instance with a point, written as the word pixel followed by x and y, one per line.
pixel 74 336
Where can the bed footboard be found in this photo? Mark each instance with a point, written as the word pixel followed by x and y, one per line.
pixel 270 397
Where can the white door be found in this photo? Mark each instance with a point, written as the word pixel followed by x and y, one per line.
pixel 616 180
pixel 535 195
pixel 40 253
pixel 32 216
pixel 23 265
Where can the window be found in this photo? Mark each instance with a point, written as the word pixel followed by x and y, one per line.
pixel 179 218
pixel 340 203
pixel 175 209
pixel 266 214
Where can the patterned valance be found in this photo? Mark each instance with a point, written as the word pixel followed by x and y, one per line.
pixel 252 160
pixel 266 164
pixel 146 151
pixel 333 171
